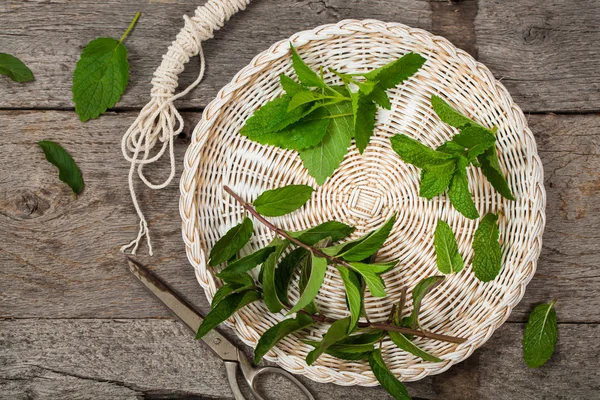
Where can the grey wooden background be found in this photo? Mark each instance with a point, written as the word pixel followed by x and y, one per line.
pixel 73 322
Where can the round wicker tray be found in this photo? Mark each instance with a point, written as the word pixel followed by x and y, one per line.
pixel 367 189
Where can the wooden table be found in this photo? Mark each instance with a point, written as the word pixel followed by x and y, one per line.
pixel 74 324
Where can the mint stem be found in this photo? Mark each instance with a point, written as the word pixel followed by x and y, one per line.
pixel 131 25
pixel 319 253
pixel 281 232
pixel 394 328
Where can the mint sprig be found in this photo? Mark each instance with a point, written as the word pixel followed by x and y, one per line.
pixel 320 120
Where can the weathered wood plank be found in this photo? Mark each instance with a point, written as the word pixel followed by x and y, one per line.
pixel 49 37
pixel 543 51
pixel 60 259
pixel 60 255
pixel 134 358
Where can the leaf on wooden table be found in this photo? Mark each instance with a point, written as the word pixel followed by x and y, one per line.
pixel 68 171
pixel 14 68
pixel 541 335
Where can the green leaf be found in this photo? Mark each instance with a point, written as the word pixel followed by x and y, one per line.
pixel 419 292
pixel 269 281
pixel 472 136
pixel 243 283
pixel 285 271
pixel 317 276
pixel 277 332
pixel 364 120
pixel 272 124
pixel 451 147
pixel 101 75
pixel 305 274
pixel 289 85
pixel 306 75
pixel 435 179
pixel 448 258
pixel 68 171
pixel 336 332
pixel 231 242
pixel 14 68
pixel 370 244
pixel 405 344
pixel 541 334
pixel 370 273
pixel 245 264
pixel 380 97
pixel 356 347
pixel 387 380
pixel 283 200
pixel 301 98
pixel 330 229
pixel 487 254
pixel 490 165
pixel 354 294
pixel 225 309
pixel 414 152
pixel 324 158
pixel 392 74
pixel 459 193
pixel 449 115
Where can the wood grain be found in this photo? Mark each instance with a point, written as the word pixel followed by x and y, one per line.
pixel 60 255
pixel 151 359
pixel 544 55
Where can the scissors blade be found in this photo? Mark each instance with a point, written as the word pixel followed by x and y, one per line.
pixel 182 310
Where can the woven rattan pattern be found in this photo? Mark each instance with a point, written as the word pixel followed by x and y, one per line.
pixel 367 189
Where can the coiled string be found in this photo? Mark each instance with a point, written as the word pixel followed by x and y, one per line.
pixel 159 120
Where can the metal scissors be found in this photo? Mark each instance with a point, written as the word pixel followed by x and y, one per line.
pixel 233 358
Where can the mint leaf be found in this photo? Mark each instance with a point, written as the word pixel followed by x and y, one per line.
pixel 231 242
pixel 272 124
pixel 369 244
pixel 269 282
pixel 419 292
pixel 387 380
pixel 370 273
pixel 307 76
pixel 283 200
pixel 487 257
pixel 285 271
pixel 380 97
pixel 305 274
pixel 317 276
pixel 435 179
pixel 14 68
pixel 390 75
pixel 451 147
pixel 330 229
pixel 364 120
pixel 68 171
pixel 337 331
pixel 459 193
pixel 353 289
pixel 244 283
pixel 325 157
pixel 351 352
pixel 490 165
pixel 541 334
pixel 302 98
pixel 414 152
pixel 405 344
pixel 472 136
pixel 225 309
pixel 448 258
pixel 277 332
pixel 289 85
pixel 245 264
pixel 101 75
pixel 449 115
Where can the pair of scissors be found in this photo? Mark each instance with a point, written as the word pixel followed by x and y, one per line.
pixel 233 358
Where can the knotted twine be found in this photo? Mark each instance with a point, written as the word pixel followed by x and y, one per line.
pixel 159 120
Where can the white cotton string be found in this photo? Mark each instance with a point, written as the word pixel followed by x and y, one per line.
pixel 159 120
